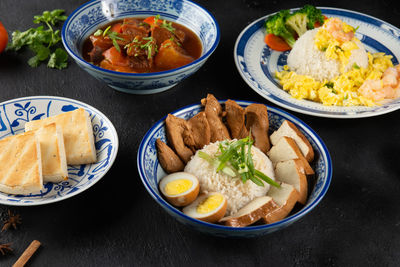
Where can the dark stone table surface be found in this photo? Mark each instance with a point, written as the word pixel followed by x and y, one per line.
pixel 117 223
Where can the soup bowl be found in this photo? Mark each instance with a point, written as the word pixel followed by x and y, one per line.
pixel 151 173
pixel 95 14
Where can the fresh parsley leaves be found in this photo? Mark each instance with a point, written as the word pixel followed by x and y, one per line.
pixel 43 42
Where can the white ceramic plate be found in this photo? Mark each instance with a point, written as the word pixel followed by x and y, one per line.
pixel 13 116
pixel 257 63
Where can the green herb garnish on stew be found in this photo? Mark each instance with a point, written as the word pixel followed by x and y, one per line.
pixel 234 158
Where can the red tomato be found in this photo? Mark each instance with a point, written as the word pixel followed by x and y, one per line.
pixel 3 37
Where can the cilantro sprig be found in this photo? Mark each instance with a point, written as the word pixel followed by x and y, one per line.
pixel 43 42
pixel 234 158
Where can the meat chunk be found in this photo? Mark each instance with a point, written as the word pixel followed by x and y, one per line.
pixel 257 123
pixel 101 42
pixel 180 136
pixel 168 159
pixel 96 55
pixel 134 27
pixel 213 111
pixel 200 130
pixel 235 119
pixel 161 35
pixel 141 52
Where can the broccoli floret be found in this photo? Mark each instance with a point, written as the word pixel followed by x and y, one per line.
pixel 298 22
pixel 275 24
pixel 313 15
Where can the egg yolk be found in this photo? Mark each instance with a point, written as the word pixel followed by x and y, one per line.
pixel 210 204
pixel 178 186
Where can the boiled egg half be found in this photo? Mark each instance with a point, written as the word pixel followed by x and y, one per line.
pixel 209 207
pixel 180 188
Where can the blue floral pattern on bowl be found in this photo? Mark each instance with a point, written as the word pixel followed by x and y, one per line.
pixel 88 17
pixel 151 172
pixel 13 116
pixel 257 63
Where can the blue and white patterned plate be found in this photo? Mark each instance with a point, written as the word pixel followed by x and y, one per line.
pixel 151 173
pixel 257 63
pixel 13 116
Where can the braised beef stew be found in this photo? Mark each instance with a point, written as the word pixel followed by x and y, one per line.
pixel 141 45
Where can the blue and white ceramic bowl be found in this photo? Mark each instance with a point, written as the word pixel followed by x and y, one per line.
pixel 151 173
pixel 13 116
pixel 94 14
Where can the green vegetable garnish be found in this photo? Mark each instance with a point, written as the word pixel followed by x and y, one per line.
pixel 275 24
pixel 234 159
pixel 40 40
pixel 356 66
pixel 313 15
pixel 98 32
pixel 329 85
pixel 168 26
pixel 112 35
pixel 288 25
pixel 106 30
pixel 58 59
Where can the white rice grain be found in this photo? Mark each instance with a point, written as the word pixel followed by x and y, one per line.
pixel 306 59
pixel 236 193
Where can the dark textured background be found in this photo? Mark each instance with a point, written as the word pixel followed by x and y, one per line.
pixel 116 222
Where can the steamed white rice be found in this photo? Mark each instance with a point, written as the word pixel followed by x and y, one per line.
pixel 306 59
pixel 236 193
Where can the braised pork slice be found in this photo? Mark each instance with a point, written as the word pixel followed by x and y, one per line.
pixel 180 137
pixel 235 119
pixel 213 111
pixel 200 130
pixel 168 159
pixel 257 122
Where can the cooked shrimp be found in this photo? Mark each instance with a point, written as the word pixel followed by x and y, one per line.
pixel 372 89
pixel 390 77
pixel 335 27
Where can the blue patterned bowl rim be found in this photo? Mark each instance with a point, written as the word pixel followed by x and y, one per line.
pixel 125 74
pixel 86 106
pixel 285 221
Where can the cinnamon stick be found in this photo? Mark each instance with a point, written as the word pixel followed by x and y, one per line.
pixel 29 251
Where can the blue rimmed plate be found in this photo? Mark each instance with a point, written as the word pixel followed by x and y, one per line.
pixel 13 116
pixel 257 63
pixel 151 172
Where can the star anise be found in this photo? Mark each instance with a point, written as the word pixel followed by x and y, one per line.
pixel 4 248
pixel 13 220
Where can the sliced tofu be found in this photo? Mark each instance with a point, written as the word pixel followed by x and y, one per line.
pixel 20 164
pixel 286 149
pixel 285 197
pixel 54 163
pixel 290 130
pixel 78 135
pixel 291 172
pixel 252 212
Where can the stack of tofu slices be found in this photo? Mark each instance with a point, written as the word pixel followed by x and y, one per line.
pixel 291 154
pixel 42 152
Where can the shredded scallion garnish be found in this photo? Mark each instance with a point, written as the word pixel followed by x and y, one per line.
pixel 234 160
